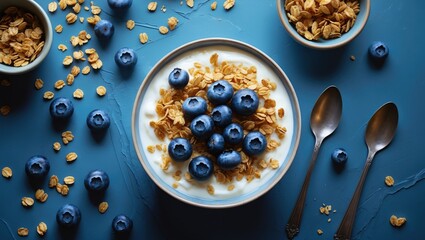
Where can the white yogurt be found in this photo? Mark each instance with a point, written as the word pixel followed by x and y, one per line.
pixel 147 114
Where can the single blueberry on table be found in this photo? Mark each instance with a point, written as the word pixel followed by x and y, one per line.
pixel 98 120
pixel 180 149
pixel 202 127
pixel 96 181
pixel 378 51
pixel 194 106
pixel 221 115
pixel 245 102
pixel 178 78
pixel 254 143
pixel 104 29
pixel 201 168
pixel 120 4
pixel 125 58
pixel 229 159
pixel 122 224
pixel 233 133
pixel 339 156
pixel 61 108
pixel 216 144
pixel 37 167
pixel 220 92
pixel 68 216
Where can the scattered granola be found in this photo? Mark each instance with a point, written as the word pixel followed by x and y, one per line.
pixel 324 19
pixel 5 110
pixel 152 6
pixel 86 70
pixel 41 196
pixel 67 60
pixel 319 231
pixel 53 182
pixel 172 23
pixel 78 94
pixel 101 91
pixel 41 228
pixel 75 70
pixel 190 3
pixel 325 209
pixel 389 181
pixel 52 7
pixel 6 172
pixel 22 37
pixel 228 4
pixel 69 180
pixel 62 47
pixel 103 207
pixel 71 18
pixel 143 37
pixel 59 84
pixel 71 157
pixel 214 5
pixel 27 202
pixel 397 221
pixel 48 95
pixel 67 137
pixel 23 232
pixel 130 24
pixel 59 28
pixel 163 30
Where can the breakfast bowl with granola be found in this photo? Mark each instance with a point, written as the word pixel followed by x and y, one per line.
pixel 25 36
pixel 323 24
pixel 216 123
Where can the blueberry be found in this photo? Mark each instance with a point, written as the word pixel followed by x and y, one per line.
pixel 194 106
pixel 122 224
pixel 201 168
pixel 37 167
pixel 221 115
pixel 98 120
pixel 96 181
pixel 216 144
pixel 233 134
pixel 229 159
pixel 178 78
pixel 125 58
pixel 68 216
pixel 254 143
pixel 339 157
pixel 202 127
pixel 61 108
pixel 104 29
pixel 220 92
pixel 378 51
pixel 180 149
pixel 120 4
pixel 245 102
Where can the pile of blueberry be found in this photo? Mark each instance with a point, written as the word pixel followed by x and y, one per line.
pixel 220 133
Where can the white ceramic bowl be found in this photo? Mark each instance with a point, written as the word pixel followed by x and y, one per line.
pixel 345 38
pixel 144 112
pixel 37 10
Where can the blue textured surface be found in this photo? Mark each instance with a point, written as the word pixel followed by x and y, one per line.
pixel 28 129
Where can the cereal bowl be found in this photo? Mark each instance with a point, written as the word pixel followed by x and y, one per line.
pixel 329 31
pixel 157 118
pixel 21 58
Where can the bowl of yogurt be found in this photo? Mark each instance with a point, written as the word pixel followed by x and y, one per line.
pixel 157 118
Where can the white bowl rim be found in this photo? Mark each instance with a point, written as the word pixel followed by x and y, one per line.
pixel 317 44
pixel 48 30
pixel 289 88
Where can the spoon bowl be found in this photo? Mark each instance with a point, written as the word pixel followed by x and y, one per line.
pixel 381 127
pixel 326 113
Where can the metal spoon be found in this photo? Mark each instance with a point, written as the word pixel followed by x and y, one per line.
pixel 324 120
pixel 379 133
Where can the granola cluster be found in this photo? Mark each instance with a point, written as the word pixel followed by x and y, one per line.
pixel 172 124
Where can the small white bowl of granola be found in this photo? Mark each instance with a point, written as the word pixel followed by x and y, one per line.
pixel 324 24
pixel 158 118
pixel 25 36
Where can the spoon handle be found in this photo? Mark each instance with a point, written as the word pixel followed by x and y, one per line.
pixel 293 226
pixel 346 226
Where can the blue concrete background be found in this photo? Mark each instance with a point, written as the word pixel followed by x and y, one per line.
pixel 28 129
